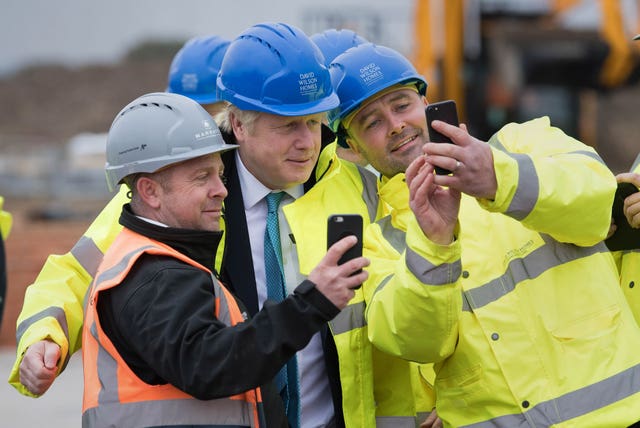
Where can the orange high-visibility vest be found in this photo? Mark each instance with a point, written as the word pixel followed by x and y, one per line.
pixel 114 396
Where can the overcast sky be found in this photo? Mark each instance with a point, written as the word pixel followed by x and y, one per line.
pixel 79 32
pixel 87 31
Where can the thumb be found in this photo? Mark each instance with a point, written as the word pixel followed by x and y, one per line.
pixel 51 355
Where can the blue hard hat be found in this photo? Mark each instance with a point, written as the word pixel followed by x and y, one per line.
pixel 333 42
pixel 276 68
pixel 365 70
pixel 195 67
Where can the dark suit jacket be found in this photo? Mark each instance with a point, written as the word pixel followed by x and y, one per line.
pixel 239 276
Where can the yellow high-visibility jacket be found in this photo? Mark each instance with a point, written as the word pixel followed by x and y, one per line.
pixel 5 221
pixel 377 389
pixel 522 314
pixel 629 265
pixel 53 304
pixel 403 390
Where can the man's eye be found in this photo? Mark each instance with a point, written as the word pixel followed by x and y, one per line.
pixel 372 124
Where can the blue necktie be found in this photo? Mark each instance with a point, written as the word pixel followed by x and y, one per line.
pixel 287 378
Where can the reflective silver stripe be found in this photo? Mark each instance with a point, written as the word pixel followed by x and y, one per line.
pixel 117 269
pixel 589 154
pixel 55 312
pixel 428 273
pixel 87 253
pixel 110 412
pixel 573 404
pixel 635 163
pixel 550 255
pixel 223 413
pixel 466 306
pixel 397 422
pixel 422 416
pixel 495 142
pixel 369 191
pixel 395 237
pixel 383 283
pixel 224 315
pixel 107 372
pixel 528 188
pixel 350 318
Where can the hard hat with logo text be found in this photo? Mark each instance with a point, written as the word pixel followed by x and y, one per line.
pixel 157 130
pixel 364 71
pixel 276 68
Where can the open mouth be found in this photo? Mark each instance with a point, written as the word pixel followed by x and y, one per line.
pixel 404 143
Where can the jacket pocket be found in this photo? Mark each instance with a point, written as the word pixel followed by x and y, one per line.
pixel 461 388
pixel 586 345
pixel 594 326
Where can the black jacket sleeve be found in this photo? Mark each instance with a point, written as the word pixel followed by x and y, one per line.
pixel 162 321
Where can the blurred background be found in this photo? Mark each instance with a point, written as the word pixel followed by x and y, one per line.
pixel 69 66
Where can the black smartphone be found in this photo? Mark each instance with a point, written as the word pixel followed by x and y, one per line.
pixel 625 237
pixel 445 111
pixel 341 225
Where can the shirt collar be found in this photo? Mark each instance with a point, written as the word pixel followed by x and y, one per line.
pixel 253 191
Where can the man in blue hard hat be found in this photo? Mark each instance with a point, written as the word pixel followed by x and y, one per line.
pixel 493 272
pixel 279 89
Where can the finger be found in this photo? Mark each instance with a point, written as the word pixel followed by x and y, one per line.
pixel 355 281
pixel 423 182
pixel 338 249
pixel 446 162
pixel 349 267
pixel 420 185
pixel 51 355
pixel 413 168
pixel 457 134
pixel 629 177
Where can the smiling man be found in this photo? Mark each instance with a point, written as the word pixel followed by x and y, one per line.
pixel 493 273
pixel 164 342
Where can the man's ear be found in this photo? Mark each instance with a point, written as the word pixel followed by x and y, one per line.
pixel 239 129
pixel 352 144
pixel 149 191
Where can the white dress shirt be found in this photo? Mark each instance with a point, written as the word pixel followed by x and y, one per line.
pixel 316 405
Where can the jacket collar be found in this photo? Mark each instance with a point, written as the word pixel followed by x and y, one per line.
pixel 199 245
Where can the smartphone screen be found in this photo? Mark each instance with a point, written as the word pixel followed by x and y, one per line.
pixel 341 225
pixel 445 111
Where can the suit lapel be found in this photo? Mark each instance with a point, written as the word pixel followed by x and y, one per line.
pixel 237 264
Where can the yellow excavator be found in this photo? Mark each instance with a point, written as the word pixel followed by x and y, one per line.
pixel 497 59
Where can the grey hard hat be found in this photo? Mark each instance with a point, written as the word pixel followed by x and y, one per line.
pixel 156 130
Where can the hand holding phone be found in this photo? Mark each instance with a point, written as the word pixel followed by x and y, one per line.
pixel 445 111
pixel 625 237
pixel 340 226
